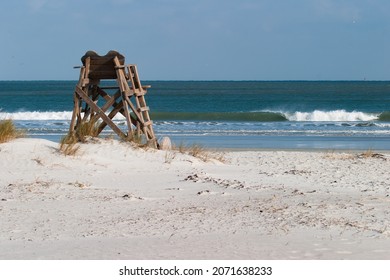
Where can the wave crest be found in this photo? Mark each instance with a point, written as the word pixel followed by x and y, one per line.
pixel 43 116
pixel 35 115
pixel 262 116
pixel 331 116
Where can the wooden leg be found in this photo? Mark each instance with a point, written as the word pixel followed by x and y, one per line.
pixel 76 108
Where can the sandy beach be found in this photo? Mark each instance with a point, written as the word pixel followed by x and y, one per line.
pixel 114 201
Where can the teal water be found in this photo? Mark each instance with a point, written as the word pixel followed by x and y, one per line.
pixel 230 114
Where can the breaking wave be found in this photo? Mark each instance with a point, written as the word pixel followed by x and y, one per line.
pixel 332 116
pixel 262 116
pixel 35 115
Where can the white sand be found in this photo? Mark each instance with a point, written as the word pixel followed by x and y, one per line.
pixel 116 202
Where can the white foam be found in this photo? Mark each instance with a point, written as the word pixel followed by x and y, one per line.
pixel 35 115
pixel 333 116
pixel 315 116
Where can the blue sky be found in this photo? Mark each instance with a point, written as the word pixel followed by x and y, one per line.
pixel 199 39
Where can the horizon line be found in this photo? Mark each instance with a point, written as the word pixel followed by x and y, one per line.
pixel 213 80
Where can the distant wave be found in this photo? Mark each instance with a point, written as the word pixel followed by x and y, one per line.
pixel 41 116
pixel 220 116
pixel 165 116
pixel 315 116
pixel 35 115
pixel 384 117
pixel 334 116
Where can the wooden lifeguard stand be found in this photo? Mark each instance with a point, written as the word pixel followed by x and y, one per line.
pixel 88 91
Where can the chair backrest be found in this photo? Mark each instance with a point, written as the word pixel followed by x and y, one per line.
pixel 101 67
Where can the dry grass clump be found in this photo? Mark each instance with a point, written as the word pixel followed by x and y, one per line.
pixel 371 154
pixel 350 156
pixel 86 130
pixel 200 152
pixel 69 144
pixel 138 139
pixel 340 156
pixel 8 131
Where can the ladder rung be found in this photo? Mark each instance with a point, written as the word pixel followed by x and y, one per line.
pixel 148 123
pixel 143 109
pixel 129 92
pixel 139 93
pixel 116 87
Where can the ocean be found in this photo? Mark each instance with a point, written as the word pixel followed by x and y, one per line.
pixel 330 115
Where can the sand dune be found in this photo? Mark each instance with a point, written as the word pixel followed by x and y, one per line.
pixel 113 201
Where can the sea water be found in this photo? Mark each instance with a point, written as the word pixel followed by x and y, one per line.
pixel 227 114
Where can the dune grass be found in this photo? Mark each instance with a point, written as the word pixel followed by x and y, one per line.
pixel 87 129
pixel 353 156
pixel 8 131
pixel 200 152
pixel 371 154
pixel 69 144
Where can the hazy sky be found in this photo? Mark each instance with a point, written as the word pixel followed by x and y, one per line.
pixel 199 39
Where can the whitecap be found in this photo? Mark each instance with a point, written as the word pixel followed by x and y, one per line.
pixel 332 116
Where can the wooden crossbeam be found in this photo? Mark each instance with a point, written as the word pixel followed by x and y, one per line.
pixel 99 111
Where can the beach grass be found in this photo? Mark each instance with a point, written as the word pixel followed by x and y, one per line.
pixel 8 131
pixel 371 154
pixel 200 152
pixel 353 156
pixel 87 129
pixel 69 144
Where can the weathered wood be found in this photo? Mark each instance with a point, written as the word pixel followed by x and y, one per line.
pixel 109 56
pixel 125 90
pixel 99 111
pixel 127 116
pixel 88 91
pixel 116 87
pixel 131 105
pixel 81 77
pixel 148 123
pixel 101 67
pixel 117 108
pixel 87 64
pixel 143 109
pixel 76 106
pixel 110 100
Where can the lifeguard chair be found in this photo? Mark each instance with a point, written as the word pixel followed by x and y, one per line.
pixel 128 87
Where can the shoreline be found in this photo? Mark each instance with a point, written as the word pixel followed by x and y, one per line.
pixel 114 201
pixel 270 143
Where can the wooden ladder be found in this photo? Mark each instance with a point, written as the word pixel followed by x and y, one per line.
pixel 128 75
